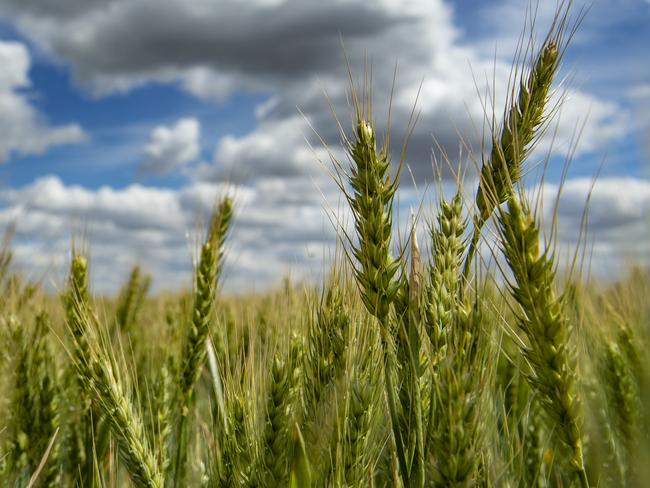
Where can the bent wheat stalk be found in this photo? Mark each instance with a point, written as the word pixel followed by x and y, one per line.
pixel 522 123
pixel 98 374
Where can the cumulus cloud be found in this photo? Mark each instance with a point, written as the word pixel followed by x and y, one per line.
pixel 280 228
pixel 284 148
pixel 171 147
pixel 24 130
pixel 291 50
pixel 617 230
pixel 114 40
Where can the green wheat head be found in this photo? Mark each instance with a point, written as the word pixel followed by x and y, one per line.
pixel 543 322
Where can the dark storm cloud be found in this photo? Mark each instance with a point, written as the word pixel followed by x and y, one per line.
pixel 282 41
pixel 62 9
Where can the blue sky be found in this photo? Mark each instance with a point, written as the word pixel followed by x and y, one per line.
pixel 128 117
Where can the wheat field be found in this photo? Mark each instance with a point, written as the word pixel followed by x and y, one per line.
pixel 412 364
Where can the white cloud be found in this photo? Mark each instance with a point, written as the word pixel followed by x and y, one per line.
pixel 595 123
pixel 276 149
pixel 16 58
pixel 24 130
pixel 292 51
pixel 171 147
pixel 281 226
pixel 289 50
pixel 618 227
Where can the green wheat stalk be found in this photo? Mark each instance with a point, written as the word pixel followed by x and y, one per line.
pixel 543 321
pixel 522 125
pixel 194 350
pixel 98 373
pixel 131 299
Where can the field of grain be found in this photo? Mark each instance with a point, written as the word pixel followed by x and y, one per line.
pixel 410 365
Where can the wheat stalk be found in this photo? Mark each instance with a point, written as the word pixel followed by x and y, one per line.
pixel 279 422
pixel 97 371
pixel 131 298
pixel 194 350
pixel 623 401
pixel 371 203
pixel 459 385
pixel 448 246
pixel 325 351
pixel 522 125
pixel 94 441
pixel 542 320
